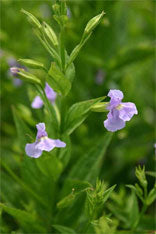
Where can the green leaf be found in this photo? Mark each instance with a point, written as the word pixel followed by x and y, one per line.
pixel 151 196
pixel 66 201
pixel 63 229
pixel 151 173
pixel 27 220
pixel 22 129
pixel 24 185
pixel 33 20
pixel 128 56
pixel 133 210
pixel 74 187
pixel 107 193
pixel 58 81
pixel 76 50
pixel 70 72
pixel 32 63
pixel 77 113
pixel 50 165
pixel 90 163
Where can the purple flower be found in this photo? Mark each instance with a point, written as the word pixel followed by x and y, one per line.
pixel 42 143
pixel 51 95
pixel 14 71
pixel 100 76
pixel 119 112
pixel 69 12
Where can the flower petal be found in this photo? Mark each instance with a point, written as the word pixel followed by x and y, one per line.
pixel 41 130
pixel 32 150
pixel 115 94
pixel 114 124
pixel 50 93
pixel 127 111
pixel 59 143
pixel 46 144
pixel 37 103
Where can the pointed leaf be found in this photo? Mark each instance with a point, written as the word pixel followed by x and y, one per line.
pixel 90 163
pixel 64 230
pixel 78 112
pixel 58 81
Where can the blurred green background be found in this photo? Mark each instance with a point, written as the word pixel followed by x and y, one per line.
pixel 119 55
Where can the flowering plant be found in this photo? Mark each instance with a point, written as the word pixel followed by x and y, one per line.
pixel 56 190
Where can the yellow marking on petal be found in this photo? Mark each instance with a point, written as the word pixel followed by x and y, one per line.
pixel 119 107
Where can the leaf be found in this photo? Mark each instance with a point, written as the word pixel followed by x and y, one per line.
pixel 151 173
pixel 63 229
pixel 77 113
pixel 75 187
pixel 132 55
pixel 107 193
pixel 58 81
pixel 70 72
pixel 151 196
pixel 88 166
pixel 133 210
pixel 50 165
pixel 24 185
pixel 65 153
pixel 21 128
pixel 27 220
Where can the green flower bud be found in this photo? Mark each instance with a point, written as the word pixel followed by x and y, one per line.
pixel 33 20
pixel 32 63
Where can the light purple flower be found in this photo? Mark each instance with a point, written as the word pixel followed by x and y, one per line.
pixel 14 70
pixel 119 112
pixel 100 76
pixel 51 95
pixel 42 143
pixel 69 13
pixel 37 103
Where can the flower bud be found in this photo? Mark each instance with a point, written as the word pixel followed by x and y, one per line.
pixel 100 107
pixel 32 18
pixel 50 34
pixel 93 23
pixel 32 63
pixel 14 70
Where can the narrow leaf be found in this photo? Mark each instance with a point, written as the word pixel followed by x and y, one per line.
pixel 78 113
pixel 64 230
pixel 90 163
pixel 58 81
